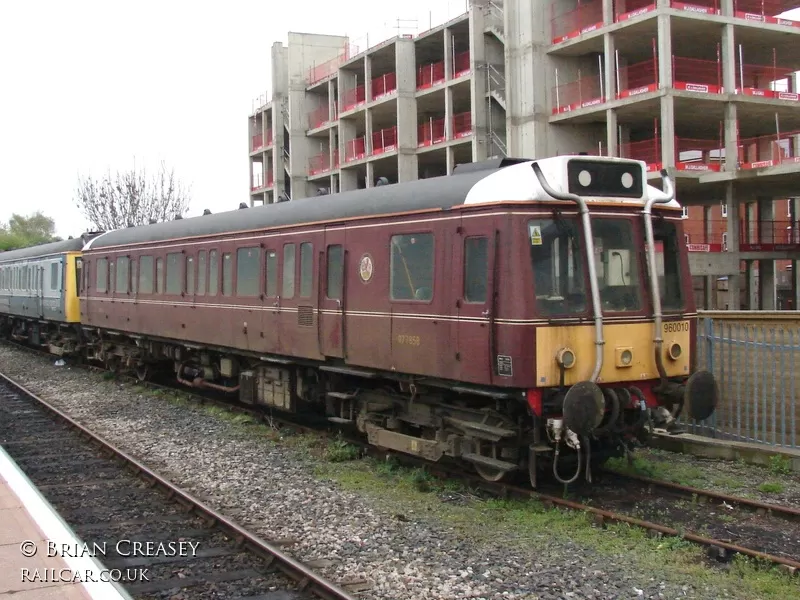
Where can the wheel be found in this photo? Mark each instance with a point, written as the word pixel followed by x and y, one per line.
pixel 143 372
pixel 489 450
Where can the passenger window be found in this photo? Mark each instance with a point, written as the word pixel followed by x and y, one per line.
pixel 213 273
pixel 201 273
pixel 190 275
pixel 123 263
pixel 288 270
pixel 174 273
pixel 476 268
pixel 54 276
pixel 160 276
pixel 146 275
pixel 306 269
pixel 272 273
pixel 227 274
pixel 247 268
pixel 133 277
pixel 411 269
pixel 334 287
pixel 111 279
pixel 101 283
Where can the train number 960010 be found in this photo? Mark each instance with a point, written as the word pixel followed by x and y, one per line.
pixel 676 326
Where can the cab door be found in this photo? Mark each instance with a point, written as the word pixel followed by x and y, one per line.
pixel 332 309
pixel 474 279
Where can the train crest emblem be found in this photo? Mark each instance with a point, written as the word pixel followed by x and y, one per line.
pixel 365 268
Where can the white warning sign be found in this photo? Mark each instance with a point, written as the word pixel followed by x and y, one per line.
pixel 536 235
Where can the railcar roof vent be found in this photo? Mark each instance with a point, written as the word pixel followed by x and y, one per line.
pixel 153 221
pixel 206 212
pixel 242 205
pixel 382 181
pixel 485 165
pixel 178 217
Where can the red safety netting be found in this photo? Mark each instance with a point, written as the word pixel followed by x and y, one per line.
pixel 637 78
pixel 329 67
pixel 318 117
pixel 336 158
pixel 699 155
pixel 696 75
pixel 764 81
pixel 648 151
pixel 353 98
pixel 384 140
pixel 430 75
pixel 430 133
pixel 257 142
pixel 319 163
pixel 461 64
pixel 384 85
pixel 355 149
pixel 268 141
pixel 628 9
pixel 763 11
pixel 769 150
pixel 270 178
pixel 776 235
pixel 259 181
pixel 705 7
pixel 462 125
pixel 704 236
pixel 588 16
pixel 583 92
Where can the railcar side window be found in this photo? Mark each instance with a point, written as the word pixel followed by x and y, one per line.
pixel 288 270
pixel 227 274
pixel 476 268
pixel 146 275
pixel 668 266
pixel 101 283
pixel 54 276
pixel 160 276
pixel 247 269
pixel 272 273
pixel 335 272
pixel 306 269
pixel 111 279
pixel 190 275
pixel 411 269
pixel 123 275
pixel 134 278
pixel 174 273
pixel 558 266
pixel 201 273
pixel 213 273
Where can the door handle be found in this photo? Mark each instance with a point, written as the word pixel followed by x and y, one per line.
pixel 485 313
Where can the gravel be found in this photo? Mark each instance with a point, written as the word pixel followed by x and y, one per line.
pixel 348 536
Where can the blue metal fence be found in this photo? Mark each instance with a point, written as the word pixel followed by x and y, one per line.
pixel 756 361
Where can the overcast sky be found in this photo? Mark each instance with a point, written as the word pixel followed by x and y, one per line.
pixel 92 85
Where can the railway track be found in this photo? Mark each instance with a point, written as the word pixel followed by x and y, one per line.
pixel 721 547
pixel 112 501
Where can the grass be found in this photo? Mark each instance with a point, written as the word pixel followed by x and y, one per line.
pixel 770 487
pixel 675 473
pixel 780 465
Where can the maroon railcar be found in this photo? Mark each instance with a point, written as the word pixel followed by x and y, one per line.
pixel 454 316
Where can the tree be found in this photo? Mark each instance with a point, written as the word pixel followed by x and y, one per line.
pixel 131 198
pixel 22 232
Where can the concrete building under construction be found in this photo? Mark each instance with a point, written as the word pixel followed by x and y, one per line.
pixel 704 88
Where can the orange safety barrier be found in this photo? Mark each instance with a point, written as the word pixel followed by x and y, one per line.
pixel 583 92
pixel 384 85
pixel 319 163
pixel 587 17
pixel 329 67
pixel 769 150
pixel 763 11
pixel 696 75
pixel 705 7
pixel 270 178
pixel 268 141
pixel 629 9
pixel 353 98
pixel 257 142
pixel 319 117
pixel 769 236
pixel 698 155
pixel 759 80
pixel 462 125
pixel 384 140
pixel 260 182
pixel 638 78
pixel 430 75
pixel 705 236
pixel 648 151
pixel 355 149
pixel 430 133
pixel 461 64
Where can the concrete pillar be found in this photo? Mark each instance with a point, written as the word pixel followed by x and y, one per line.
pixel 766 267
pixel 666 131
pixel 448 113
pixel 795 264
pixel 610 79
pixel 612 141
pixel 734 279
pixel 728 58
pixel 731 137
pixel 370 176
pixel 710 282
pixel 664 50
pixel 407 162
pixel 478 104
pixel 451 160
pixel 368 78
pixel 608 12
pixel 368 131
pixel 448 53
pixel 726 8
pixel 751 285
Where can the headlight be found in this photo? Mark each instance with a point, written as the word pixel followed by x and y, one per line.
pixel 565 358
pixel 623 357
pixel 675 351
pixel 626 357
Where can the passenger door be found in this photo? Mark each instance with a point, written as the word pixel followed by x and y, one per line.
pixel 332 293
pixel 473 277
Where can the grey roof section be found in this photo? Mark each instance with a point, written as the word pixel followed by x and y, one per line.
pixel 435 192
pixel 485 165
pixel 74 245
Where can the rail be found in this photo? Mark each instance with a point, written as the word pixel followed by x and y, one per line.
pixel 769 150
pixel 587 17
pixel 581 93
pixel 384 141
pixel 430 75
pixel 648 151
pixel 697 75
pixel 461 64
pixel 319 164
pixel 762 11
pixel 355 149
pixel 256 142
pixel 319 116
pixel 769 235
pixel 699 155
pixel 462 125
pixel 432 132
pixel 353 98
pixel 764 81
pixel 384 85
pixel 637 78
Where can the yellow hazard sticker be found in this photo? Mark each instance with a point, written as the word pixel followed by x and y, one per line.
pixel 536 235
